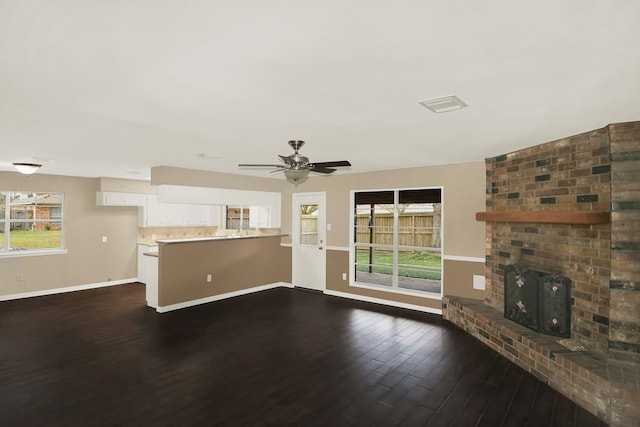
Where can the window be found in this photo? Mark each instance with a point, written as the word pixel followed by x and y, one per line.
pixel 30 221
pixel 397 239
pixel 237 218
pixel 308 224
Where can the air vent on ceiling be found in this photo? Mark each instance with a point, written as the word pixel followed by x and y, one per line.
pixel 444 104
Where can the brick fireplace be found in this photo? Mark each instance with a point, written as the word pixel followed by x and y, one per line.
pixel 570 207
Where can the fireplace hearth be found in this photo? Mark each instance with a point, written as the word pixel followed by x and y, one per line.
pixel 537 300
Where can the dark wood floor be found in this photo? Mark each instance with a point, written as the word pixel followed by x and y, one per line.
pixel 282 357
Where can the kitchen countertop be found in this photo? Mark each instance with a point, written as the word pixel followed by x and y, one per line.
pixel 206 239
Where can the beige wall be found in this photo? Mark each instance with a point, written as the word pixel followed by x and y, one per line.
pixel 463 194
pixel 198 178
pixel 338 263
pixel 126 186
pixel 235 265
pixel 88 260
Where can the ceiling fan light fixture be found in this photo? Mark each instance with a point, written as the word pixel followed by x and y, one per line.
pixel 295 175
pixel 27 168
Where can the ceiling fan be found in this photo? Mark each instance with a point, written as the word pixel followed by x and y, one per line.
pixel 296 167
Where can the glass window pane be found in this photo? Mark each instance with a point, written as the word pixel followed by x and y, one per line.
pixel 34 236
pixel 308 224
pixel 2 206
pixel 407 222
pixel 415 224
pixel 383 224
pixel 2 236
pixel 35 221
pixel 237 218
pixel 374 265
pixel 419 270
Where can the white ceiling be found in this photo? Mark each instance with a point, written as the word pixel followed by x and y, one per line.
pixel 114 87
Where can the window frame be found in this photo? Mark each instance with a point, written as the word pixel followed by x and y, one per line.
pixel 7 222
pixel 394 288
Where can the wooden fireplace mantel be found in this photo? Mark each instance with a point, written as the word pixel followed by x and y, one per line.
pixel 546 217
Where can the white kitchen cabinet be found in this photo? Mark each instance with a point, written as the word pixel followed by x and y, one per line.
pixel 226 197
pixel 111 198
pixel 148 273
pixel 156 214
pixel 153 214
pixel 259 217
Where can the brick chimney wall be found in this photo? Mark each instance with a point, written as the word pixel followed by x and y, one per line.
pixel 586 172
pixel 624 313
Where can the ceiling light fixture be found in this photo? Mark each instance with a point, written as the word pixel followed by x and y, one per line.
pixel 295 175
pixel 443 104
pixel 27 168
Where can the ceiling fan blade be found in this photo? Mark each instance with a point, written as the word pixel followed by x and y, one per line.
pixel 338 163
pixel 322 169
pixel 286 159
pixel 251 165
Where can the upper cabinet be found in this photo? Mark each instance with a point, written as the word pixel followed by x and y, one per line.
pixel 156 214
pixel 178 205
pixel 266 204
pixel 259 217
pixel 151 213
pixel 110 198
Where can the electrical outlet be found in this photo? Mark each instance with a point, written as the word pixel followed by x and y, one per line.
pixel 478 282
pixel 209 278
pixel 344 276
pixel 104 239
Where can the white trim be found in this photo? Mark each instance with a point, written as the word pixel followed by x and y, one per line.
pixel 463 258
pixel 401 291
pixel 444 257
pixel 384 302
pixel 186 304
pixel 67 289
pixel 286 245
pixel 19 254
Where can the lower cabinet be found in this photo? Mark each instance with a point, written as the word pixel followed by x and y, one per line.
pixel 148 273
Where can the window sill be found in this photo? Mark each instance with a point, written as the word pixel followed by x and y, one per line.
pixel 20 254
pixel 427 295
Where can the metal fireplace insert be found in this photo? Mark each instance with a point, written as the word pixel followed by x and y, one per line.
pixel 538 300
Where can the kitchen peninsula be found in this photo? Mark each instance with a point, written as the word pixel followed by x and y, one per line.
pixel 192 271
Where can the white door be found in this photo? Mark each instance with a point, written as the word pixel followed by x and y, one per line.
pixel 309 238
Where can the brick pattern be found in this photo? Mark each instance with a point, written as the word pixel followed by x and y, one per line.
pixel 570 174
pixel 44 212
pixel 606 388
pixel 624 316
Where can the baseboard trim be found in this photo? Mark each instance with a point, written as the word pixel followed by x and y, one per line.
pixel 213 298
pixel 46 292
pixel 384 302
pixel 186 304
